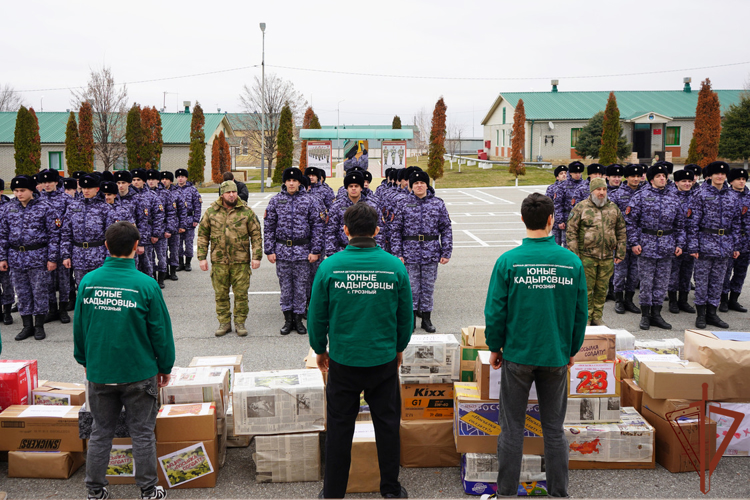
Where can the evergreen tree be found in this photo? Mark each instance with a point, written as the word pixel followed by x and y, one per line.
pixel 306 121
pixel 315 123
pixel 86 138
pixel 197 157
pixel 396 125
pixel 216 161
pixel 707 125
pixel 152 139
pixel 134 138
pixel 692 152
pixel 734 143
pixel 285 142
pixel 72 145
pixel 611 132
pixel 36 142
pixel 518 141
pixel 27 154
pixel 590 137
pixel 437 141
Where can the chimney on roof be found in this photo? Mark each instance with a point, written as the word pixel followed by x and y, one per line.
pixel 554 85
pixel 687 81
pixel 187 107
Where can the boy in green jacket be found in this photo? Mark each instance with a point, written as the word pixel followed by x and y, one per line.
pixel 123 338
pixel 535 315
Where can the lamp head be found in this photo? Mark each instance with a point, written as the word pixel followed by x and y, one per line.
pixel 263 27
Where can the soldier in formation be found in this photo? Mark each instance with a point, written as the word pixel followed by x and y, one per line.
pixel 7 294
pixel 737 268
pixel 683 264
pixel 564 199
pixel 193 205
pixel 561 175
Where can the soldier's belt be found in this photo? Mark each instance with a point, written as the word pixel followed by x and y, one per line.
pixel 89 244
pixel 28 248
pixel 191 212
pixel 720 232
pixel 658 232
pixel 421 237
pixel 293 243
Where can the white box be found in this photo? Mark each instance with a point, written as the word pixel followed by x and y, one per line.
pixel 632 440
pixel 593 410
pixel 663 346
pixel 484 467
pixel 198 385
pixel 287 458
pixel 432 355
pixel 624 340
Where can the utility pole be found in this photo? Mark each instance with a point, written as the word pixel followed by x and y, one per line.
pixel 263 110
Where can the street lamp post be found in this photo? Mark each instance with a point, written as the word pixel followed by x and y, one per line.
pixel 338 120
pixel 263 111
pixel 41 105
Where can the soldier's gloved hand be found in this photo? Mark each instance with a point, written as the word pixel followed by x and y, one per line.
pixel 4 265
pixel 443 260
pixel 312 258
pixel 66 263
pixel 637 249
pixel 678 251
pixel 271 258
pixel 203 265
pixel 51 266
pixel 255 264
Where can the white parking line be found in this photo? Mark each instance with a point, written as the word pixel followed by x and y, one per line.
pixel 478 198
pixel 497 198
pixel 467 233
pixel 259 293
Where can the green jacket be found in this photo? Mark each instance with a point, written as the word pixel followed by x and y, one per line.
pixel 122 332
pixel 361 304
pixel 537 306
pixel 230 232
pixel 596 232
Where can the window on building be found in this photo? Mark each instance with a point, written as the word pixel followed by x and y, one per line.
pixel 503 137
pixel 503 116
pixel 574 136
pixel 56 160
pixel 497 138
pixel 673 136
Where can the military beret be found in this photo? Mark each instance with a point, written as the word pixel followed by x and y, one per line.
pixel 49 175
pixel 108 187
pixel 737 173
pixel 152 174
pixel 181 172
pixel 23 182
pixel 107 176
pixel 419 176
pixel 138 173
pixel 561 168
pixel 633 169
pixel 227 187
pixel 78 174
pixel 292 173
pixel 682 175
pixel 575 167
pixel 89 181
pixel 716 167
pixel 595 168
pixel 124 176
pixel 2 185
pixel 367 175
pixel 355 177
pixel 597 184
pixel 653 170
pixel 167 175
pixel 692 167
pixel 615 170
pixel 70 183
pixel 669 165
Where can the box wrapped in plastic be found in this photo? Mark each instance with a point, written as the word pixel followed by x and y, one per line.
pixel 425 379
pixel 287 458
pixel 593 410
pixel 201 384
pixel 278 402
pixel 630 440
pixel 663 346
pixel 432 355
pixel 479 474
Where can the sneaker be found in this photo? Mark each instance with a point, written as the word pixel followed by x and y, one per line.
pixel 155 492
pixel 98 495
pixel 488 497
pixel 401 494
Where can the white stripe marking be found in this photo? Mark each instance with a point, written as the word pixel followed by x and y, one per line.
pixel 467 233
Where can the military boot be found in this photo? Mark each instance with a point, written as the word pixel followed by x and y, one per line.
pixel 414 326
pixel 181 264
pixel 645 318
pixel 700 319
pixel 160 278
pixel 223 329
pixel 732 303
pixel 28 328
pixel 682 303
pixel 14 309
pixel 187 264
pixel 724 304
pixel 53 314
pixel 71 300
pixel 239 328
pixel 657 320
pixel 299 325
pixel 64 318
pixel 288 323
pixel 427 322
pixel 673 307
pixel 712 318
pixel 39 333
pixel 7 318
pixel 620 302
pixel 629 305
pixel 418 314
pixel 173 273
pixel 610 292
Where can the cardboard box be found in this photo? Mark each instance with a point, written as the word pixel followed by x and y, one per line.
pixel 676 380
pixel 670 453
pixel 121 468
pixel 232 440
pixel 40 428
pixel 428 443
pixel 473 336
pixel 221 439
pixel 630 441
pixel 59 393
pixel 429 379
pixel 631 394
pixel 187 422
pixel 287 458
pixel 425 401
pixel 625 362
pixel 311 363
pixel 663 406
pixel 431 355
pixel 638 359
pixel 278 402
pixel 233 363
pixel 597 347
pixel 739 445
pixel 488 380
pixel 364 472
pixel 201 384
pixel 476 427
pixel 663 346
pixel 44 464
pixel 468 356
pixel 593 380
pixel 18 378
pixel 728 359
pixel 187 464
pixel 593 410
pixel 479 474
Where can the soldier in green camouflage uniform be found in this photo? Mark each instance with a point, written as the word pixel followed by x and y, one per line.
pixel 231 227
pixel 596 230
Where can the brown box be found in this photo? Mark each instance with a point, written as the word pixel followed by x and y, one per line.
pixel 364 472
pixel 59 393
pixel 43 464
pixel 631 394
pixel 186 422
pixel 675 380
pixel 663 406
pixel 40 433
pixel 728 359
pixel 311 363
pixel 426 401
pixel 428 443
pixel 670 453
pixel 597 347
pixel 473 336
pixel 190 457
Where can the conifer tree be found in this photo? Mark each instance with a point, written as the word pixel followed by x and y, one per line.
pixel 26 142
pixel 72 145
pixel 285 143
pixel 519 140
pixel 134 139
pixel 306 121
pixel 707 125
pixel 734 143
pixel 197 155
pixel 436 155
pixel 86 138
pixel 611 130
pixel 396 125
pixel 152 139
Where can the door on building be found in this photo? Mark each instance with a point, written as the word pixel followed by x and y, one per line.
pixel 642 140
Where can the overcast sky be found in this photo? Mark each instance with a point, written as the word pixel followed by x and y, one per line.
pixel 513 46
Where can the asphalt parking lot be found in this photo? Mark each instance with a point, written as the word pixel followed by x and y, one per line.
pixel 486 222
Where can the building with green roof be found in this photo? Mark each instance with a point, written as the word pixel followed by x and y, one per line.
pixel 654 121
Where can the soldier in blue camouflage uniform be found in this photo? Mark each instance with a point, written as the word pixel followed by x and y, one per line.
pixel 385 182
pixel 320 195
pixel 737 268
pixel 656 234
pixel 70 186
pixel 561 174
pixel 713 239
pixel 149 204
pixel 336 240
pixel 167 209
pixel 564 199
pixel 625 277
pixel 8 295
pixel 193 203
pixel 30 248
pixel 697 174
pixel 682 266
pixel 321 191
pixel 613 176
pixel 422 237
pixel 120 211
pixel 180 208
pixel 293 231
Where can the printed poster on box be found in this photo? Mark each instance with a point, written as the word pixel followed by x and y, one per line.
pixel 186 465
pixel 121 461
pixel 392 155
pixel 593 379
pixel 320 155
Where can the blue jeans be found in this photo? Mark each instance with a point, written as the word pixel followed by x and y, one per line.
pixel 551 389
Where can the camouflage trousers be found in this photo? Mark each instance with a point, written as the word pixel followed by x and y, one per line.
pixel 186 243
pixel 236 277
pixel 80 273
pixel 174 249
pixel 59 282
pixel 682 273
pixel 159 255
pixel 313 271
pixel 626 273
pixel 422 278
pixel 654 274
pixel 597 273
pixel 32 287
pixel 736 273
pixel 709 279
pixel 293 277
pixel 8 293
pixel 143 261
pixel 559 235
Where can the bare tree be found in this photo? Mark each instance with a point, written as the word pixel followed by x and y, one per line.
pixel 423 123
pixel 453 142
pixel 277 93
pixel 108 101
pixel 10 100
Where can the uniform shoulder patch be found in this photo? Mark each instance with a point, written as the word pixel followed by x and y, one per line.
pixel 161 207
pixel 58 222
pixel 744 210
pixel 573 202
pixel 145 211
pixel 689 212
pixel 265 214
pixel 174 204
pixel 628 210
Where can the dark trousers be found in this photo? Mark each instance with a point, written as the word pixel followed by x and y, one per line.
pixel 381 386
